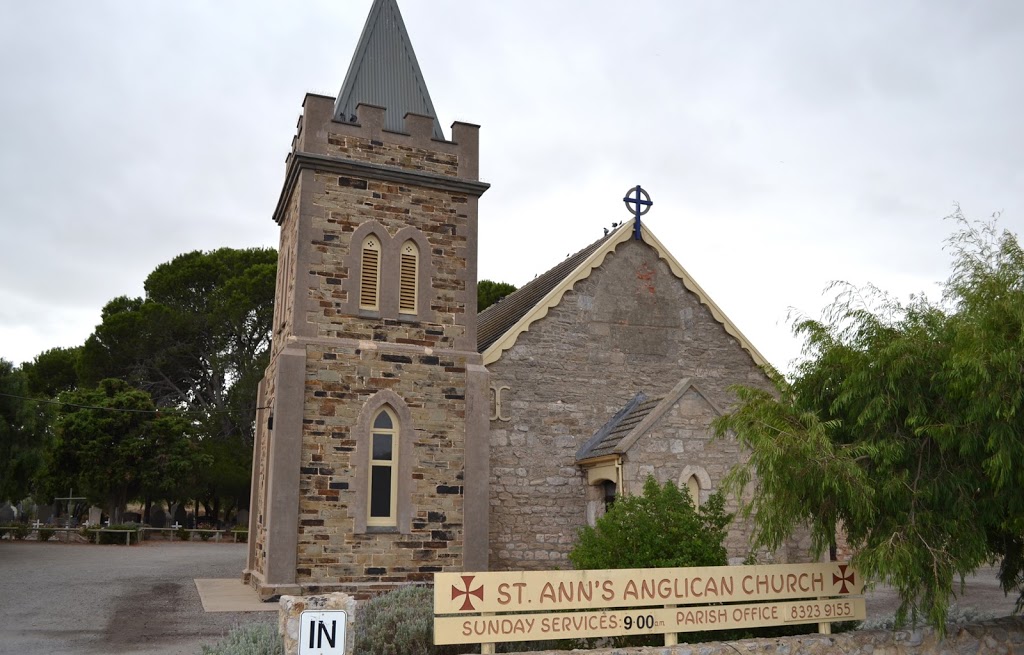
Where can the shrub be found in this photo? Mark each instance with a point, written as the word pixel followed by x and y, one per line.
pixel 4 529
pixel 252 639
pixel 116 538
pixel 659 528
pixel 182 534
pixel 401 622
pixel 19 531
pixel 241 535
pixel 205 536
pixel 45 534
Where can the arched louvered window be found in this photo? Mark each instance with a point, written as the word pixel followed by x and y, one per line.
pixel 369 274
pixel 409 278
pixel 383 492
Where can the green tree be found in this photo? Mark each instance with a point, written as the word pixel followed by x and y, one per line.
pixel 489 292
pixel 114 446
pixel 903 427
pixel 52 372
pixel 659 528
pixel 22 434
pixel 199 340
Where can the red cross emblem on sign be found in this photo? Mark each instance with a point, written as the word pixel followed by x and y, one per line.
pixel 467 592
pixel 844 578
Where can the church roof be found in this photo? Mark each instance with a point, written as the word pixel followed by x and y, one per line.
pixel 615 430
pixel 634 420
pixel 384 72
pixel 499 326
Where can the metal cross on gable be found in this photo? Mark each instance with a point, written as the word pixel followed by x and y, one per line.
pixel 638 202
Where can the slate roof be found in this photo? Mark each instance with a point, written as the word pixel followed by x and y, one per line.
pixel 634 420
pixel 384 72
pixel 618 427
pixel 497 319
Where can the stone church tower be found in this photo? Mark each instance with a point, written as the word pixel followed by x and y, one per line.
pixel 371 457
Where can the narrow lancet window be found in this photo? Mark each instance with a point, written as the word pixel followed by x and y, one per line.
pixel 408 278
pixel 383 492
pixel 693 486
pixel 369 274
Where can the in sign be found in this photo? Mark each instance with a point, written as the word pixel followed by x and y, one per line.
pixel 322 633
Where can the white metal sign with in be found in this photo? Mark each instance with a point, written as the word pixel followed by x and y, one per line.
pixel 322 632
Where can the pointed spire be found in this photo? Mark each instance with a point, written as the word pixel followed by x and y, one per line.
pixel 384 72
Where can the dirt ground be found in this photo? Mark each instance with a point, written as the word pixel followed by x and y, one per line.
pixel 58 598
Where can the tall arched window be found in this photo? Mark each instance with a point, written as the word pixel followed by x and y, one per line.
pixel 383 491
pixel 409 277
pixel 369 274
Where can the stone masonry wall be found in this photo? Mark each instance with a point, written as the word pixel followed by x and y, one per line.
pixel 392 154
pixel 284 293
pixel 330 550
pixel 681 439
pixel 342 204
pixel 1003 636
pixel 630 326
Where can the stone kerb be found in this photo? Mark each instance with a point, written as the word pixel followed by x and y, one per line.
pixel 292 607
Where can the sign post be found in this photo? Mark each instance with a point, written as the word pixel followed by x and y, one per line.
pixel 322 632
pixel 539 605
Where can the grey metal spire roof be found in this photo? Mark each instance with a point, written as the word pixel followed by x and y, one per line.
pixel 384 72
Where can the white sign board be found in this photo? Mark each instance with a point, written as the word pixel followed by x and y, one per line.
pixel 322 632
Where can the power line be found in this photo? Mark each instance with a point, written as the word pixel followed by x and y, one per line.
pixel 119 409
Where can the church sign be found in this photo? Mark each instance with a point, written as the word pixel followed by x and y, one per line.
pixel 535 605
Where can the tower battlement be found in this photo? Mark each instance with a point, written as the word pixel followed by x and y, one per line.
pixel 416 148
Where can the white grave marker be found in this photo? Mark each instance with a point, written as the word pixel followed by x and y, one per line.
pixel 322 632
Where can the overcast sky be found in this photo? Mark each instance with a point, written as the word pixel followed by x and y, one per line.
pixel 785 144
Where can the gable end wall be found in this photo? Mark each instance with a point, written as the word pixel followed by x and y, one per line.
pixel 630 326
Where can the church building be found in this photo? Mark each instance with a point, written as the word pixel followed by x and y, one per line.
pixel 405 434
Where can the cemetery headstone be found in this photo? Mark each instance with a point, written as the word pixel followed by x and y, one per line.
pixel 6 513
pixel 180 515
pixel 242 518
pixel 44 513
pixel 158 517
pixel 95 514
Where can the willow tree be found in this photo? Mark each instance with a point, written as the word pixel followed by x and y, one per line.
pixel 904 427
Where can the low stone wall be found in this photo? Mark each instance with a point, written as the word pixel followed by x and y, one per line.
pixel 1000 636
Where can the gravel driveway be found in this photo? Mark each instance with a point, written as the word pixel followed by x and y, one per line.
pixel 58 598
